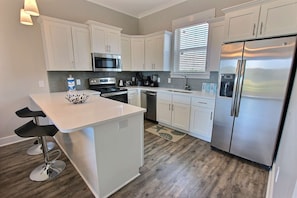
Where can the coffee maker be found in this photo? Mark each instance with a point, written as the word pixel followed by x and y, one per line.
pixel 154 80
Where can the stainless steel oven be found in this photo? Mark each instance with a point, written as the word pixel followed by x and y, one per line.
pixel 108 89
pixel 106 62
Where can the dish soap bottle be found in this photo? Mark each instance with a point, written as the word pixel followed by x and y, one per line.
pixel 71 83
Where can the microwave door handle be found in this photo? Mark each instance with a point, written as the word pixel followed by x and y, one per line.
pixel 240 88
pixel 235 89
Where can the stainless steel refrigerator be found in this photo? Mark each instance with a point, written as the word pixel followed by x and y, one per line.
pixel 253 87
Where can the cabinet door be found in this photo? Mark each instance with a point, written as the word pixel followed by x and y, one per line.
pixel 181 116
pixel 126 53
pixel 201 122
pixel 137 54
pixel 113 42
pixel 164 108
pixel 81 48
pixel 58 46
pixel 133 97
pixel 98 38
pixel 215 40
pixel 154 47
pixel 278 18
pixel 181 111
pixel 241 24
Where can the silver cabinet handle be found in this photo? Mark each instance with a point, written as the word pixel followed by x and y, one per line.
pixel 211 116
pixel 202 102
pixel 254 29
pixel 172 107
pixel 261 28
pixel 169 107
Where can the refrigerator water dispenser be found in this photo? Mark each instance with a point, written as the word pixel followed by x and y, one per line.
pixel 227 84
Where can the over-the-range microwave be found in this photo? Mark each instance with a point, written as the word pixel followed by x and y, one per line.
pixel 106 62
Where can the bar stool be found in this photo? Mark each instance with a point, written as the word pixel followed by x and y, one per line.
pixel 36 148
pixel 50 168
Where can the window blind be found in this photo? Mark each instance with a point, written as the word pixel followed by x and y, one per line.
pixel 191 48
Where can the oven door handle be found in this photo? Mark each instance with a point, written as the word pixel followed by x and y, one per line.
pixel 114 94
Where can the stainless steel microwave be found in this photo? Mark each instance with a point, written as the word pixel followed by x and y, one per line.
pixel 106 62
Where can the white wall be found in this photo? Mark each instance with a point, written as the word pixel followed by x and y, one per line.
pixel 286 160
pixel 22 63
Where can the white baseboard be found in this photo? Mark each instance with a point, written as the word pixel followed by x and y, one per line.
pixel 270 183
pixel 11 140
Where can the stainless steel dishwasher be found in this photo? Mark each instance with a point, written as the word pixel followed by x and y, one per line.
pixel 149 102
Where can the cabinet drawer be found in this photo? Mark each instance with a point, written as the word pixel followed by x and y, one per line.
pixel 202 102
pixel 181 99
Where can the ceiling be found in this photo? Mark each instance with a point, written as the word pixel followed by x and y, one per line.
pixel 137 8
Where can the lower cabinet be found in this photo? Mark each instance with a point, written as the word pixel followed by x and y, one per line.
pixel 174 110
pixel 134 97
pixel 201 122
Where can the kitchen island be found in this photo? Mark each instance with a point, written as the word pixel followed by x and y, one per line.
pixel 102 138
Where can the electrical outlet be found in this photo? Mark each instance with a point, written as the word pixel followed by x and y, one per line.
pixel 78 82
pixel 169 80
pixel 159 79
pixel 41 83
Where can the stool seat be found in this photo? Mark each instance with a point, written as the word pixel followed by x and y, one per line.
pixel 26 113
pixel 30 129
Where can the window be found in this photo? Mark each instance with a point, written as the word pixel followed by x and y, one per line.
pixel 190 48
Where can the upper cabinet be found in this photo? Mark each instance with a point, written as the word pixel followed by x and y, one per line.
pixel 215 40
pixel 105 38
pixel 126 52
pixel 66 45
pixel 269 19
pixel 146 52
pixel 137 53
pixel 157 52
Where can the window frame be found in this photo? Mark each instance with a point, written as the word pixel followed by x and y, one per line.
pixel 179 49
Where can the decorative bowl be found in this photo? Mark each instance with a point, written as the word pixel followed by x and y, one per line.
pixel 76 97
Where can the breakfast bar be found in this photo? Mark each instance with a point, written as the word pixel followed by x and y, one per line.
pixel 102 138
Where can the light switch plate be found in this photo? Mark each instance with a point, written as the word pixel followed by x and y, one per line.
pixel 169 80
pixel 78 82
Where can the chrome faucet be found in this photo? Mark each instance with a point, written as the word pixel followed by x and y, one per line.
pixel 187 86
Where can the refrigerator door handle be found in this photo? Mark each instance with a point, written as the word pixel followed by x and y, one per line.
pixel 235 90
pixel 240 88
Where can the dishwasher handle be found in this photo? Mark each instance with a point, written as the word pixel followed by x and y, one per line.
pixel 150 93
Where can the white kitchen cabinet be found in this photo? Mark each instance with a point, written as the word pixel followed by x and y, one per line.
pixel 278 18
pixel 157 51
pixel 137 53
pixel 269 19
pixel 105 39
pixel 173 110
pixel 126 53
pixel 134 97
pixel 66 45
pixel 201 123
pixel 215 40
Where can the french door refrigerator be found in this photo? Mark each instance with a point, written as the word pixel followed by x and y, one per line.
pixel 253 86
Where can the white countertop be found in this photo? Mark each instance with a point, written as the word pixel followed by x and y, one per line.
pixel 175 91
pixel 70 117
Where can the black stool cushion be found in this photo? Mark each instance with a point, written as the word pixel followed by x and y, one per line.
pixel 26 112
pixel 30 129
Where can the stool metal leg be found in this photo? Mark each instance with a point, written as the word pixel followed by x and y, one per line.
pixel 50 169
pixel 37 148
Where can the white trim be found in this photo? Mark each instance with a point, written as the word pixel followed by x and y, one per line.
pixel 270 183
pixel 202 75
pixel 11 140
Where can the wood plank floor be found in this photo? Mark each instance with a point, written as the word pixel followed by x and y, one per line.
pixel 188 168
